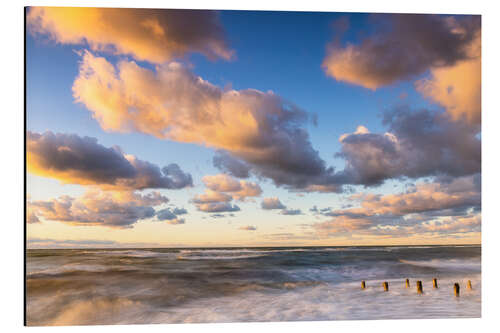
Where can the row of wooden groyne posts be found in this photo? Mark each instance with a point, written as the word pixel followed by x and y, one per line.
pixel 420 289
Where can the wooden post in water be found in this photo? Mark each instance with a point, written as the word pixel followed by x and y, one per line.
pixel 363 285
pixel 386 286
pixel 456 288
pixel 407 283
pixel 435 283
pixel 469 285
pixel 420 290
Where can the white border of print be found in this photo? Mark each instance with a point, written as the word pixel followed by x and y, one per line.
pixel 11 296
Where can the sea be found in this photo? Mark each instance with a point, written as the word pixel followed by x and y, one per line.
pixel 220 285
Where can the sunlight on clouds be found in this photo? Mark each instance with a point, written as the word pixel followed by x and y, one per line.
pixel 155 35
pixel 173 103
pixel 443 208
pixel 72 159
pixel 221 189
pixel 457 88
pixel 401 47
pixel 99 208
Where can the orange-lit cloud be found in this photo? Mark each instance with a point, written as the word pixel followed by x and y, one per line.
pixel 70 158
pixel 99 208
pixel 272 203
pixel 457 88
pixel 212 196
pixel 259 128
pixel 154 35
pixel 275 203
pixel 237 189
pixel 401 47
pixel 453 225
pixel 429 207
pixel 221 189
pixel 342 224
pixel 461 192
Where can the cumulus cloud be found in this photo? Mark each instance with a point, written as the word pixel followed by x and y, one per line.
pixel 430 206
pixel 220 190
pixel 457 88
pixel 170 216
pixel 248 228
pixel 401 47
pixel 154 35
pixel 233 188
pixel 179 211
pixel 233 166
pixel 211 196
pixel 258 129
pixel 418 144
pixel 471 223
pixel 275 203
pixel 114 209
pixel 217 207
pixel 272 203
pixel 291 212
pixel 70 158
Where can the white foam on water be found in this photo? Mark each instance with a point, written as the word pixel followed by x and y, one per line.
pixel 457 264
pixel 73 267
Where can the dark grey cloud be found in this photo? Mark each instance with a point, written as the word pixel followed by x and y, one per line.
pixel 419 144
pixel 170 216
pixel 233 166
pixel 165 214
pixel 177 178
pixel 179 211
pixel 82 160
pixel 401 46
pixel 281 151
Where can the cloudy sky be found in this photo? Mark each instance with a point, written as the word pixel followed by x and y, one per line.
pixel 237 128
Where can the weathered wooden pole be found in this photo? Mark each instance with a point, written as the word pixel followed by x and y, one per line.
pixel 469 285
pixel 456 288
pixel 435 283
pixel 363 285
pixel 407 283
pixel 420 290
pixel 386 286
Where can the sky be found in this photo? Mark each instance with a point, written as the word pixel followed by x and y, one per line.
pixel 185 128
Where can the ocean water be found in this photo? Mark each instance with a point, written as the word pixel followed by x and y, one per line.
pixel 147 286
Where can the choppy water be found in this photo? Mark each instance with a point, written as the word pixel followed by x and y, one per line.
pixel 133 286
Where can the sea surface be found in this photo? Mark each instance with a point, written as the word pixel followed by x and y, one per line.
pixel 146 286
